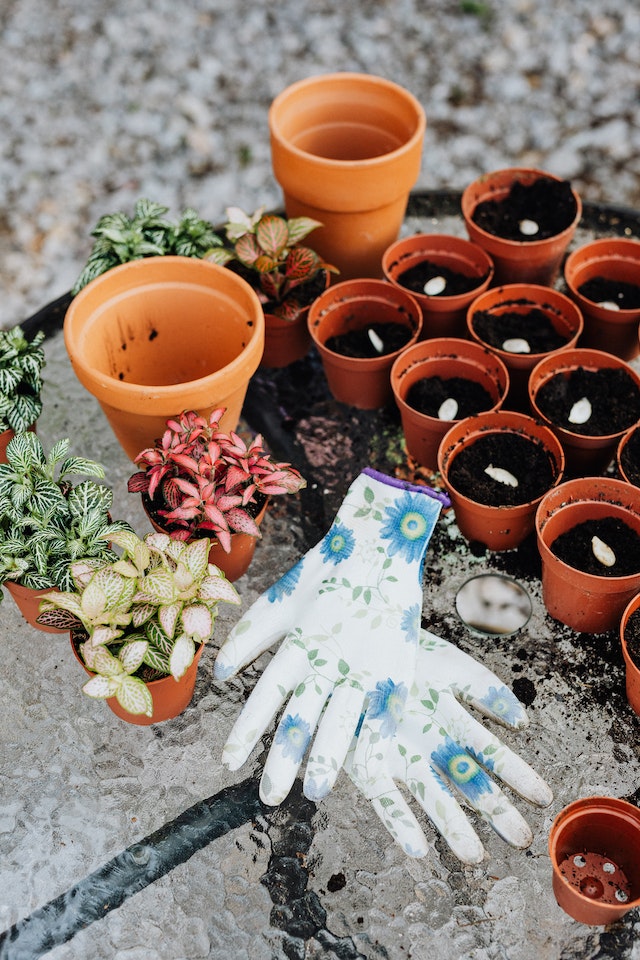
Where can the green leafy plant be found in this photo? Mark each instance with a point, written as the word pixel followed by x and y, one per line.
pixel 143 615
pixel 207 482
pixel 266 250
pixel 148 233
pixel 21 363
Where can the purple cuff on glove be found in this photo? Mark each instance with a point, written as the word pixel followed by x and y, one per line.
pixel 405 485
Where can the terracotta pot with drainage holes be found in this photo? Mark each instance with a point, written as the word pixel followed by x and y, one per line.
pixel 594 846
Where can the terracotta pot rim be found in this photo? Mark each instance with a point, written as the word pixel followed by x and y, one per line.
pixel 626 437
pixel 461 251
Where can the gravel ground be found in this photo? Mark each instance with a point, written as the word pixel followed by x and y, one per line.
pixel 103 103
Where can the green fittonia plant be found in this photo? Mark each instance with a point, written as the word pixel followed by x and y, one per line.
pixel 143 615
pixel 21 363
pixel 148 233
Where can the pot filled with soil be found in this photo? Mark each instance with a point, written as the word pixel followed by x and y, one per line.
pixel 444 274
pixel 588 536
pixel 437 382
pixel 590 399
pixel 628 456
pixel 523 323
pixel 603 277
pixel 630 640
pixel 525 219
pixel 359 327
pixel 496 468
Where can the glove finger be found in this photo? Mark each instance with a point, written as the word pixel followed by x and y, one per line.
pixel 384 710
pixel 332 741
pixel 446 814
pixel 398 818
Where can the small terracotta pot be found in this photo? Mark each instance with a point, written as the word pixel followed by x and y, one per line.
pixel 5 439
pixel 585 455
pixel 629 470
pixel 27 601
pixel 346 148
pixel 615 331
pixel 632 669
pixel 442 315
pixel 594 846
pixel 501 527
pixel 156 336
pixel 444 357
pixel 521 298
pixel 531 261
pixel 583 601
pixel 354 305
pixel 286 341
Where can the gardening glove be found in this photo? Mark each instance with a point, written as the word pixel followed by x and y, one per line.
pixel 439 745
pixel 349 612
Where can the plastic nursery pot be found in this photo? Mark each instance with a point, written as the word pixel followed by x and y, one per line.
pixel 614 260
pixel 498 526
pixel 346 148
pixel 517 261
pixel 586 602
pixel 354 305
pixel 628 456
pixel 156 336
pixel 594 846
pixel 585 454
pixel 501 307
pixel 446 358
pixel 443 314
pixel 632 676
pixel 27 601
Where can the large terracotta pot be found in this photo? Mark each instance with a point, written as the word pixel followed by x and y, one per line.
pixel 444 357
pixel 613 258
pixel 527 261
pixel 583 601
pixel 355 305
pixel 504 526
pixel 632 669
pixel 27 601
pixel 160 335
pixel 346 148
pixel 594 846
pixel 443 315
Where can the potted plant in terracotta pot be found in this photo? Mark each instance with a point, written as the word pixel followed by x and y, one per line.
pixel 444 273
pixel 266 250
pixel 630 640
pixel 139 624
pixel 603 279
pixel 359 327
pixel 200 482
pixel 525 219
pixel 437 382
pixel 21 363
pixel 47 522
pixel 496 468
pixel 628 455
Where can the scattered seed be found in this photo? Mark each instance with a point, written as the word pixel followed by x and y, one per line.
pixel 528 228
pixel 448 409
pixel 581 411
pixel 516 345
pixel 603 552
pixel 376 342
pixel 434 286
pixel 501 475
pixel 608 305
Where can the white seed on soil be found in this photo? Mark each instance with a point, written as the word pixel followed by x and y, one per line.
pixel 516 345
pixel 434 286
pixel 603 552
pixel 376 342
pixel 580 412
pixel 448 409
pixel 501 475
pixel 528 228
pixel 608 305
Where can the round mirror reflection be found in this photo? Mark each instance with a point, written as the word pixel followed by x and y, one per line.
pixel 493 604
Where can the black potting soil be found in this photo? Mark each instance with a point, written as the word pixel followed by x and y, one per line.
pixel 415 277
pixel 521 456
pixel 603 290
pixel 630 458
pixel 574 547
pixel 549 203
pixel 612 393
pixel 533 325
pixel 357 343
pixel 428 394
pixel 632 636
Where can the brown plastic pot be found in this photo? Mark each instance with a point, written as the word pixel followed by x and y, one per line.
pixel 530 261
pixel 444 357
pixel 442 315
pixel 585 455
pixel 615 331
pixel 628 468
pixel 501 527
pixel 521 298
pixel 27 601
pixel 156 336
pixel 583 601
pixel 594 846
pixel 354 305
pixel 632 676
pixel 346 148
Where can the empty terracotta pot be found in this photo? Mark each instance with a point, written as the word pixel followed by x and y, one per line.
pixel 632 667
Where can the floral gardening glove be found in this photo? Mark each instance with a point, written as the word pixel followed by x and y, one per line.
pixel 349 612
pixel 439 745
